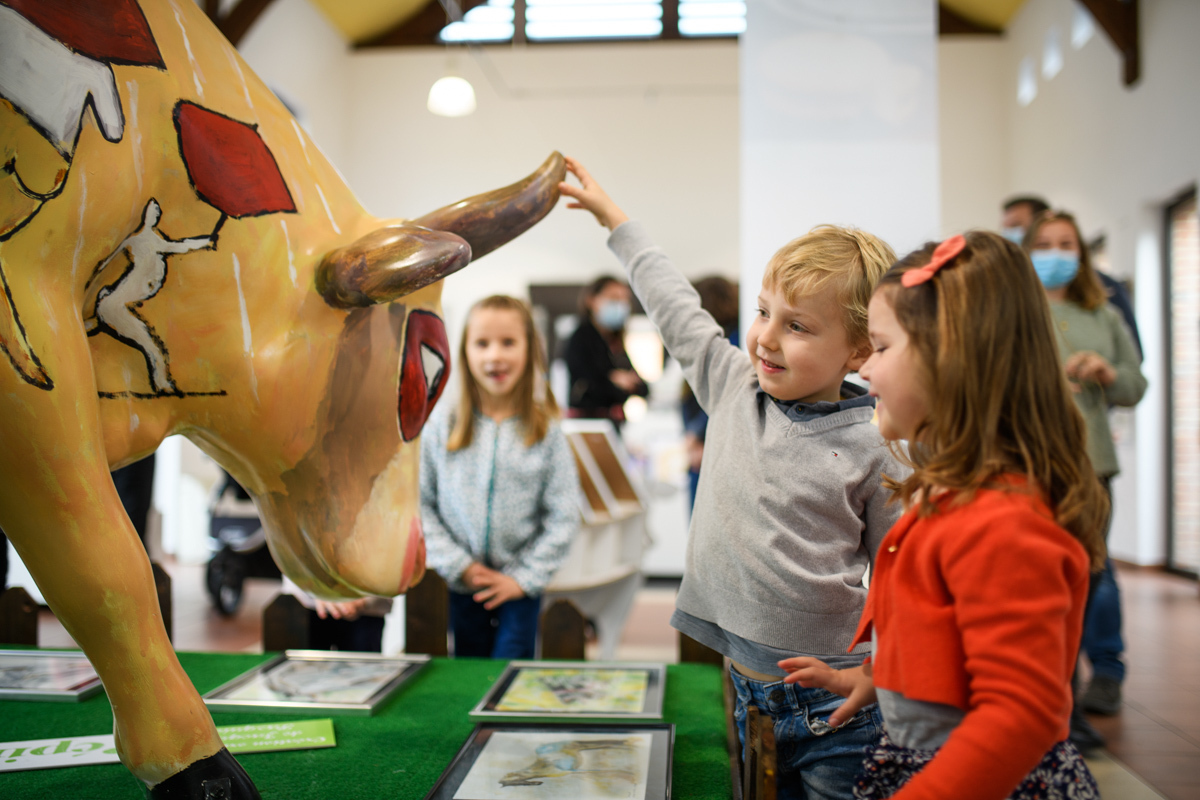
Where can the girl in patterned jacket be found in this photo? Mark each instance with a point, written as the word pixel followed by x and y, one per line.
pixel 498 485
pixel 977 595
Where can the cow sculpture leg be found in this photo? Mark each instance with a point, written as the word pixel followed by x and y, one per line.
pixel 63 515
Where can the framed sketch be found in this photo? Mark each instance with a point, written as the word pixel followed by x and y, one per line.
pixel 298 681
pixel 607 491
pixel 48 676
pixel 526 761
pixel 576 690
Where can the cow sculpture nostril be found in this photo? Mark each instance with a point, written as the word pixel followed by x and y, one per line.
pixel 414 557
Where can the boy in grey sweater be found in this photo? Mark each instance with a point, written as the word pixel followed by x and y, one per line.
pixel 791 503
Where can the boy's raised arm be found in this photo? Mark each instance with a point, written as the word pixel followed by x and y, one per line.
pixel 589 196
pixel 692 337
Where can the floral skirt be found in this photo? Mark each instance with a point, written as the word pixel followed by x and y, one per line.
pixel 1061 775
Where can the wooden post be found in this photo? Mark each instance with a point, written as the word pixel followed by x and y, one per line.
pixel 692 652
pixel 732 740
pixel 427 616
pixel 285 624
pixel 562 632
pixel 162 587
pixel 18 617
pixel 758 777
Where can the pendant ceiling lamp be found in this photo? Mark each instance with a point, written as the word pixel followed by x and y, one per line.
pixel 451 96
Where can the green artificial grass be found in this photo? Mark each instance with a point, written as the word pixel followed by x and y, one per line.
pixel 398 753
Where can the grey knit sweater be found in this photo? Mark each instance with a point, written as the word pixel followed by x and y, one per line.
pixel 788 514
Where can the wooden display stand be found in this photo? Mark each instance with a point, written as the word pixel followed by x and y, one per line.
pixel 602 572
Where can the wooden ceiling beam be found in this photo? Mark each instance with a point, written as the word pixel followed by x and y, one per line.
pixel 237 23
pixel 1119 19
pixel 421 28
pixel 950 23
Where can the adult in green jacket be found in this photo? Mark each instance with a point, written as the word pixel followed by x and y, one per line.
pixel 1103 365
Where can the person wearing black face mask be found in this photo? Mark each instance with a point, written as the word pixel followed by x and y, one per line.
pixel 601 375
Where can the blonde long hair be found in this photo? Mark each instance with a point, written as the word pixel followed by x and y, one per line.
pixel 999 399
pixel 535 402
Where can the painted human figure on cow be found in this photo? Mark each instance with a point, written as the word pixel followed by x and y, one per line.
pixel 176 256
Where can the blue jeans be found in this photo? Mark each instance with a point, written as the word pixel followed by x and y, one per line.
pixel 1102 626
pixel 816 762
pixel 509 631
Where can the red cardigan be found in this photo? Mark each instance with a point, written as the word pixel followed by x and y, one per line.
pixel 980 606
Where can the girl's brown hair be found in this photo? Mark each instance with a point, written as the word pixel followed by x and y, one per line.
pixel 999 399
pixel 1085 289
pixel 535 402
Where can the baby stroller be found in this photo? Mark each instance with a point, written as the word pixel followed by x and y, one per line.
pixel 239 547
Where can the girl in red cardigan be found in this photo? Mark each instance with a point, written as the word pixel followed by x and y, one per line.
pixel 977 596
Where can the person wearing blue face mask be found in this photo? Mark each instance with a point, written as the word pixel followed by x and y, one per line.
pixel 1017 216
pixel 1103 366
pixel 601 375
pixel 1018 212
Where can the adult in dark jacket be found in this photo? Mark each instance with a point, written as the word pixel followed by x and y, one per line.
pixel 601 375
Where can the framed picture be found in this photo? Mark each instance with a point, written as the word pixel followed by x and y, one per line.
pixel 607 492
pixel 527 761
pixel 333 682
pixel 576 690
pixel 48 676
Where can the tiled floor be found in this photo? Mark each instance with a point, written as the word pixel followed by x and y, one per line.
pixel 1154 743
pixel 1157 733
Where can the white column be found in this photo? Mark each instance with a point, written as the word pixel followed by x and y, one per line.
pixel 839 124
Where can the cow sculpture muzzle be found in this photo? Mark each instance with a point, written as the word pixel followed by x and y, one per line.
pixel 347 522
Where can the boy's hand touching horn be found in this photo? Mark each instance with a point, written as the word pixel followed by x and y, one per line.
pixel 588 195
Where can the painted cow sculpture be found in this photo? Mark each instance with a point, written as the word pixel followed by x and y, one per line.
pixel 177 257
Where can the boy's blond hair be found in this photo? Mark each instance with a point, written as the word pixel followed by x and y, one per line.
pixel 848 258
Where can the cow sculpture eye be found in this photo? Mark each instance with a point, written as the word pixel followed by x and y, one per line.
pixel 423 371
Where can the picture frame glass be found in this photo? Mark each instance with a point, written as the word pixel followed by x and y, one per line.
pixel 324 681
pixel 337 682
pixel 576 689
pixel 46 675
pixel 586 766
pixel 584 761
pixel 573 689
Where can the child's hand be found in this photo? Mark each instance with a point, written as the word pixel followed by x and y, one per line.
pixel 473 575
pixel 854 684
pixel 588 195
pixel 498 590
pixel 347 609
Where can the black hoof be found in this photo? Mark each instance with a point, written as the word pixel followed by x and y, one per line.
pixel 218 777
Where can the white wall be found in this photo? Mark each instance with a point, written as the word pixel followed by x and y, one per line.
pixel 974 85
pixel 655 124
pixel 1114 156
pixel 839 125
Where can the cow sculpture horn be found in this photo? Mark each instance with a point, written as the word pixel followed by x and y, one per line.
pixel 396 260
pixel 388 263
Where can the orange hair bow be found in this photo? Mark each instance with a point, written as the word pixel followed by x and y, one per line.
pixel 942 255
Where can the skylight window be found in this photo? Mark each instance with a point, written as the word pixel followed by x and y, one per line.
pixel 592 19
pixel 489 23
pixel 712 17
pixel 566 20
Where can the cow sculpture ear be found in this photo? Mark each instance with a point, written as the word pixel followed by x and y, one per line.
pixel 389 263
